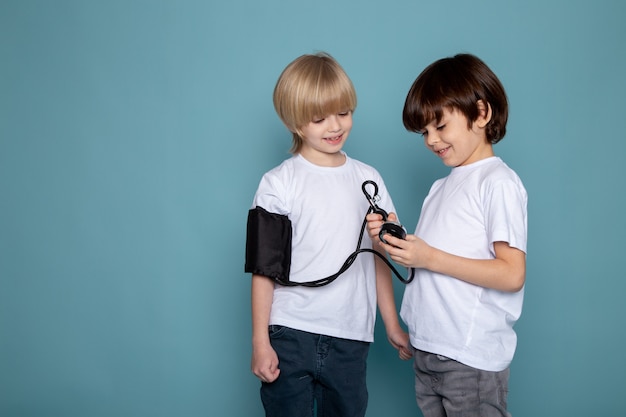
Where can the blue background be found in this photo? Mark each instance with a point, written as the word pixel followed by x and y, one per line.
pixel 133 135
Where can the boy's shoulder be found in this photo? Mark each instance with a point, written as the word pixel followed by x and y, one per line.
pixel 284 167
pixel 501 170
pixel 484 174
pixel 497 175
pixel 359 163
pixel 492 168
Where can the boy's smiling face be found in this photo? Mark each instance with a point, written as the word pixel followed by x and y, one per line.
pixel 323 138
pixel 456 143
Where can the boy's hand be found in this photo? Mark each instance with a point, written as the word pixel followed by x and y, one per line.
pixel 400 341
pixel 265 363
pixel 375 222
pixel 411 252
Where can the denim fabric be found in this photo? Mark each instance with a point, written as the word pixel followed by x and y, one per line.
pixel 328 371
pixel 447 388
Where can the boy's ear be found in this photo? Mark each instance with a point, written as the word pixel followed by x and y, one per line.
pixel 484 113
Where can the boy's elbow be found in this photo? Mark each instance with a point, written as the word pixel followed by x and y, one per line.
pixel 517 281
pixel 514 266
pixel 518 284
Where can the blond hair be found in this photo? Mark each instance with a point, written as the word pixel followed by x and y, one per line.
pixel 310 87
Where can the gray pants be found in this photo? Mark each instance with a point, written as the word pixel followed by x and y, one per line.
pixel 447 388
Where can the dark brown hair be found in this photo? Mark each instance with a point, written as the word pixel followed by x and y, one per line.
pixel 457 82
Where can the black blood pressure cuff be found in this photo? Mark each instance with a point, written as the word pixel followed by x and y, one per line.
pixel 268 244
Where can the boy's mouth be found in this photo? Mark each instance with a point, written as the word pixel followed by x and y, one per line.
pixel 334 139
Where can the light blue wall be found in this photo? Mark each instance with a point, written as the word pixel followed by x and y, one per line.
pixel 133 135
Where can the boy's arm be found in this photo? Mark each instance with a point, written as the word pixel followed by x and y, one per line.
pixel 397 337
pixel 264 359
pixel 507 272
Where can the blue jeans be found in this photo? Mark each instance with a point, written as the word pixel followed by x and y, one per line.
pixel 328 371
pixel 447 388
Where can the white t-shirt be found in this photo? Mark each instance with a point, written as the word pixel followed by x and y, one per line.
pixel 464 214
pixel 327 207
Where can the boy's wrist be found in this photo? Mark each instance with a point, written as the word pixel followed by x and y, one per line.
pixel 260 334
pixel 260 340
pixel 393 327
pixel 430 258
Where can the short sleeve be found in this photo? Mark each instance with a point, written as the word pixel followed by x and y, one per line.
pixel 506 213
pixel 271 195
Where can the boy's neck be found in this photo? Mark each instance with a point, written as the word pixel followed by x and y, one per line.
pixel 330 160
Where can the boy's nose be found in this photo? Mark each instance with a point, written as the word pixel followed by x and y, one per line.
pixel 333 124
pixel 431 139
